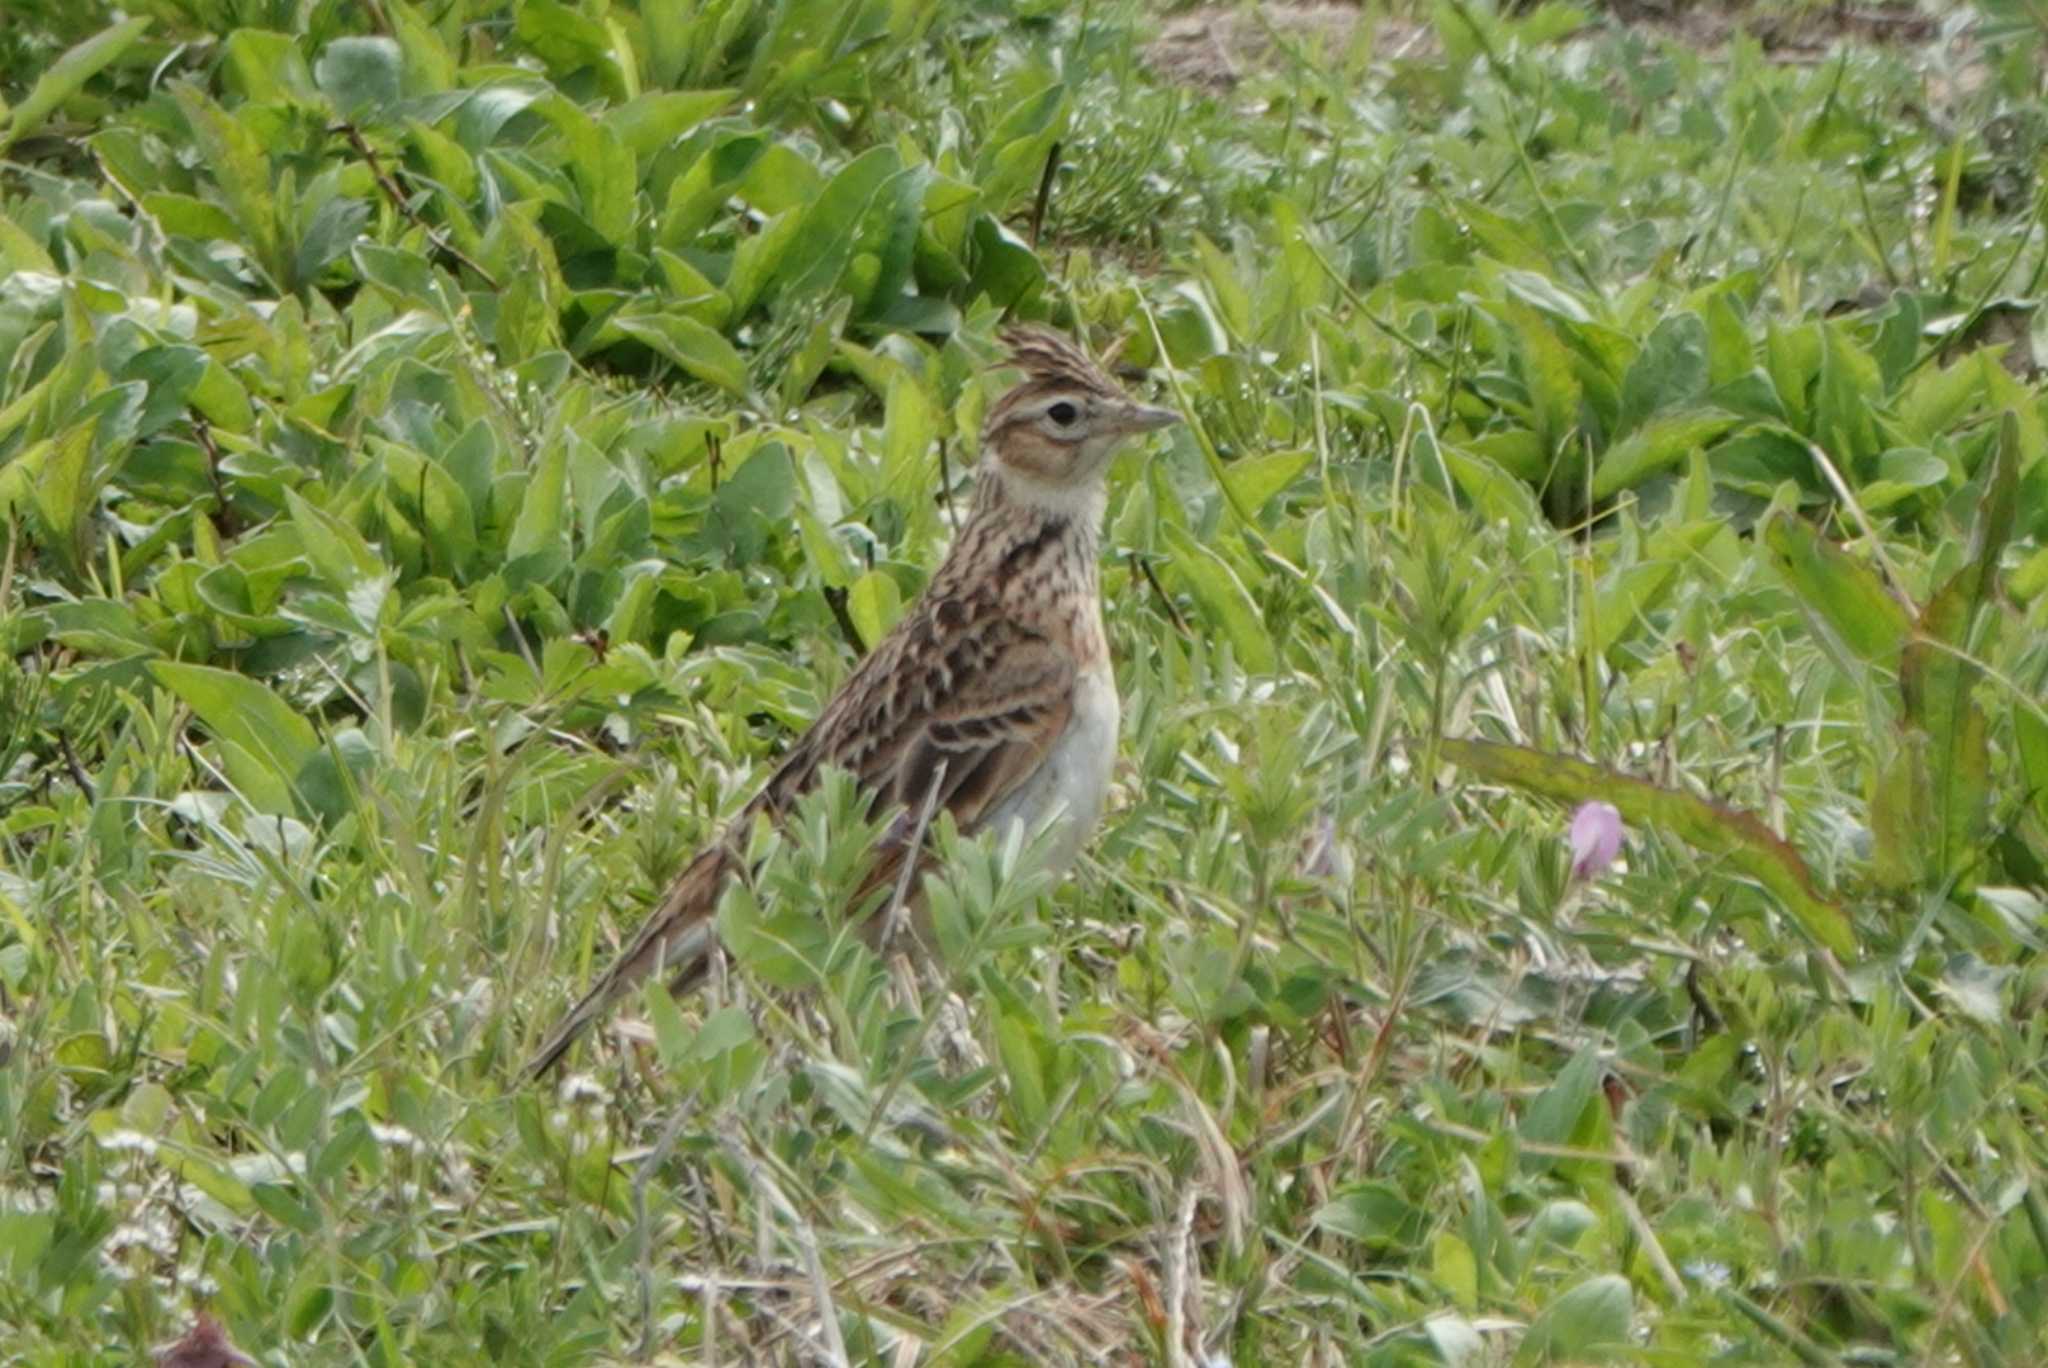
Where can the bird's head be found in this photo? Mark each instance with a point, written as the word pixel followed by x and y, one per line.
pixel 1056 429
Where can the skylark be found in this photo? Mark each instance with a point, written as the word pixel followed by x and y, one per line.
pixel 991 699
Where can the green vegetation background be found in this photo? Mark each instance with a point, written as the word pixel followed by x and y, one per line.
pixel 447 449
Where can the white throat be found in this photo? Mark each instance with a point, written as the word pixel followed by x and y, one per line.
pixel 1083 502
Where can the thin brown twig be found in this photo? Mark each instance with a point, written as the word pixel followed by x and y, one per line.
pixel 1142 566
pixel 397 196
pixel 78 774
pixel 946 490
pixel 1044 200
pixel 835 599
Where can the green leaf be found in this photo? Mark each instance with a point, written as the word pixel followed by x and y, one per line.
pixel 646 125
pixel 696 349
pixel 338 552
pixel 1257 479
pixel 1629 594
pixel 264 67
pixel 1224 600
pixel 697 195
pixel 1593 1318
pixel 335 229
pixel 1661 443
pixel 1013 157
pixel 570 42
pixel 1544 294
pixel 240 164
pixel 264 741
pixel 2030 734
pixel 1547 373
pixel 874 603
pixel 1006 271
pixel 63 493
pixel 1670 372
pixel 1938 675
pixel 1752 848
pixel 361 75
pixel 788 948
pixel 1552 1118
pixel 1843 599
pixel 832 226
pixel 67 76
pixel 1493 489
pixel 606 176
pixel 538 549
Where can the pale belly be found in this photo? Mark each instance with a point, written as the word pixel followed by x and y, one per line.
pixel 1074 780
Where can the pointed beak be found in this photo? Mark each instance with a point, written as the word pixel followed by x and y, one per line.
pixel 1146 418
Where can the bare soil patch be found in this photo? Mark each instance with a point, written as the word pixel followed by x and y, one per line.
pixel 1213 47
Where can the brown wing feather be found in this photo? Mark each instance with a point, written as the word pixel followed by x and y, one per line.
pixel 892 728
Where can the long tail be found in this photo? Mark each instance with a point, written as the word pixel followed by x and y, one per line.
pixel 677 934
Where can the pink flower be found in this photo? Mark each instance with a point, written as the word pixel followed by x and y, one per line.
pixel 1596 838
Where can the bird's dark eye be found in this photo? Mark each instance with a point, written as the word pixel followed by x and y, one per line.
pixel 1063 413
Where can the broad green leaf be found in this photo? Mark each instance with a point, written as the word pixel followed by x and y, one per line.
pixel 336 227
pixel 1018 1040
pixel 1900 474
pixel 910 429
pixel 651 122
pixel 1670 372
pixel 236 157
pixel 338 552
pixel 1455 1270
pixel 832 225
pixel 696 349
pixel 1224 600
pixel 67 75
pixel 1545 294
pixel 1630 593
pixel 569 42
pixel 1589 1321
pixel 1843 599
pixel 1502 239
pixel 1013 157
pixel 2030 735
pixel 1936 398
pixel 409 277
pixel 1547 373
pixel 874 603
pixel 1374 1213
pixel 361 75
pixel 1738 837
pixel 264 66
pixel 1006 271
pixel 811 358
pixel 1519 451
pixel 786 947
pixel 602 167
pixel 63 493
pixel 1552 1116
pixel 1493 489
pixel 1943 770
pixel 700 192
pixel 1233 304
pixel 1257 479
pixel 265 742
pixel 1656 446
pixel 1844 418
pixel 538 549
